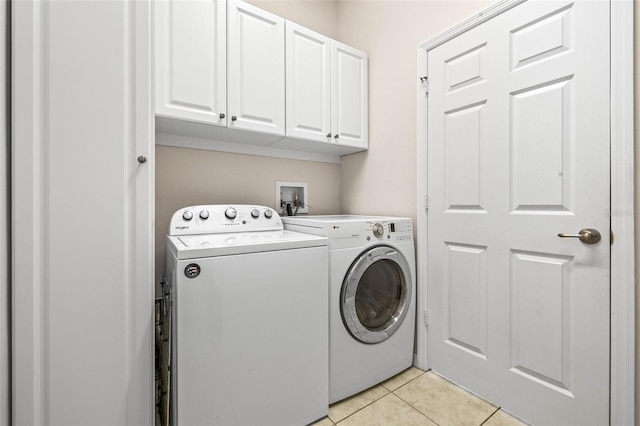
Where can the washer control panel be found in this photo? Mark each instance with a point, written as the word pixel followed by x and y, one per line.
pixel 223 218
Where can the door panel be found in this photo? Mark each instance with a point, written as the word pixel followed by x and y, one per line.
pixel 467 68
pixel 540 122
pixel 541 296
pixel 464 147
pixel 466 298
pixel 541 38
pixel 518 151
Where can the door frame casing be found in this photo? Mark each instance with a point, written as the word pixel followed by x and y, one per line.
pixel 622 326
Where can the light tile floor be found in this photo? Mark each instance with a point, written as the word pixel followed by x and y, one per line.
pixel 416 397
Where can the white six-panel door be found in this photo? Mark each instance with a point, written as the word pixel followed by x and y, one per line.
pixel 518 151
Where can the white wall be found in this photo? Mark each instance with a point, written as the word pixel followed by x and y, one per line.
pixel 5 318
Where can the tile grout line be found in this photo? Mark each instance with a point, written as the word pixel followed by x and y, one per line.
pixel 362 408
pixel 415 408
pixel 492 414
pixel 406 383
pixel 469 391
pixel 393 392
pixel 409 404
pixel 498 408
pixel 388 393
pixel 420 412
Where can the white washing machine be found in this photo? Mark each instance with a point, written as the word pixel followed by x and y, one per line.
pixel 249 318
pixel 372 283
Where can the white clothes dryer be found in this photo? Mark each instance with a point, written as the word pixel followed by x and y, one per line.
pixel 372 284
pixel 249 318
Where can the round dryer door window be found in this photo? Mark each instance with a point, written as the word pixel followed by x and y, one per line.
pixel 375 294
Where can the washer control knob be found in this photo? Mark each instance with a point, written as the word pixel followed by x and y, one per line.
pixel 187 215
pixel 231 213
pixel 204 215
pixel 268 214
pixel 378 230
pixel 255 213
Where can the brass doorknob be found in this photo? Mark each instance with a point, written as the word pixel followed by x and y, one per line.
pixel 586 235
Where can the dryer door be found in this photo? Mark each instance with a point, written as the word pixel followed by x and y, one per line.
pixel 375 294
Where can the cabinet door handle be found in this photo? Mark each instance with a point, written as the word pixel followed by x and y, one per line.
pixel 337 136
pixel 328 135
pixel 234 118
pixel 142 159
pixel 222 115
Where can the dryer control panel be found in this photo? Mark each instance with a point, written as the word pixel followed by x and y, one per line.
pixel 397 230
pixel 224 218
pixel 349 234
pixel 348 231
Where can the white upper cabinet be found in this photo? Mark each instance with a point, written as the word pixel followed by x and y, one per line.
pixel 349 96
pixel 327 90
pixel 190 58
pixel 256 72
pixel 308 84
pixel 230 73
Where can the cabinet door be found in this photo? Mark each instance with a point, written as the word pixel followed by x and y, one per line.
pixel 82 241
pixel 191 60
pixel 308 56
pixel 349 96
pixel 256 69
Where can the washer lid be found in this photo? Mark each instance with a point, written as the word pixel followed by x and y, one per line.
pixel 211 245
